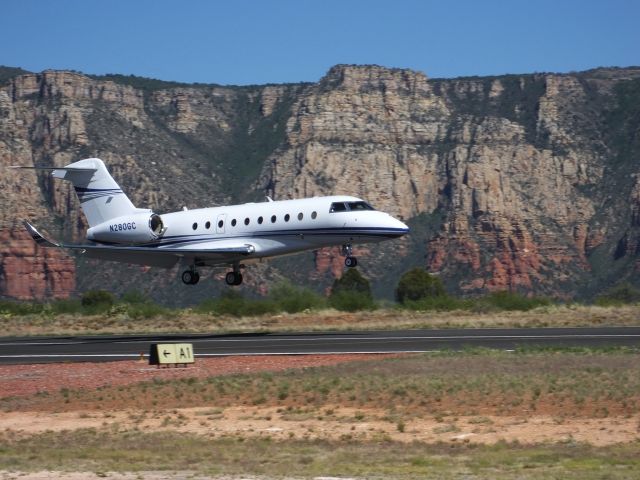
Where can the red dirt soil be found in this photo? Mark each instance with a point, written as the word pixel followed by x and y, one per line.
pixel 18 380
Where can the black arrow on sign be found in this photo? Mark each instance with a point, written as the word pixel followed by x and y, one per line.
pixel 166 354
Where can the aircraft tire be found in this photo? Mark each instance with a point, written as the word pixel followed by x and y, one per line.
pixel 188 276
pixel 351 262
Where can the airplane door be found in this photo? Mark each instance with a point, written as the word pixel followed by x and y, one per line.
pixel 222 219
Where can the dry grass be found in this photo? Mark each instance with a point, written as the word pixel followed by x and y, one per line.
pixel 94 451
pixel 190 322
pixel 473 392
pixel 588 384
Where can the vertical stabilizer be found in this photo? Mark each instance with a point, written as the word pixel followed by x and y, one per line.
pixel 101 198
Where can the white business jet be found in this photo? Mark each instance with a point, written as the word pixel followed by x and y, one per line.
pixel 218 236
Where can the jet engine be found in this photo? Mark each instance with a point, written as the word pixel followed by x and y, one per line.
pixel 128 229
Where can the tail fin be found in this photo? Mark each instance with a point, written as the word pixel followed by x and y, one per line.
pixel 101 198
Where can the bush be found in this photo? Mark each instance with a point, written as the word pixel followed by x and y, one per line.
pixel 233 303
pixel 66 306
pixel 351 292
pixel 134 297
pixel 145 310
pixel 19 308
pixel 510 301
pixel 417 284
pixel 441 303
pixel 351 301
pixel 97 300
pixel 619 295
pixel 292 299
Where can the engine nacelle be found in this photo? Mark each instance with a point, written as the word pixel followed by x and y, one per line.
pixel 136 228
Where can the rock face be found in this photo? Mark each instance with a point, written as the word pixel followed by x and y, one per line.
pixel 526 183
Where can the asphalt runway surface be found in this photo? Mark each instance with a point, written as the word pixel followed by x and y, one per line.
pixel 26 350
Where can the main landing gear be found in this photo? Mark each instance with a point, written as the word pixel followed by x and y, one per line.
pixel 234 277
pixel 190 277
pixel 350 261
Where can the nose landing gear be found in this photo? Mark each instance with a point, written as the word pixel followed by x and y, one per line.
pixel 350 261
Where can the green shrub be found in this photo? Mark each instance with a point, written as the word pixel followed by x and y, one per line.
pixel 619 295
pixel 8 307
pixel 351 301
pixel 145 310
pixel 510 301
pixel 292 299
pixel 442 303
pixel 96 301
pixel 353 282
pixel 417 284
pixel 233 303
pixel 66 306
pixel 134 297
pixel 351 292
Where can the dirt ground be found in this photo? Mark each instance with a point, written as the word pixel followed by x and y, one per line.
pixel 342 423
pixel 327 422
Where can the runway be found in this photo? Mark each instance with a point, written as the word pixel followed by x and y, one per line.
pixel 26 350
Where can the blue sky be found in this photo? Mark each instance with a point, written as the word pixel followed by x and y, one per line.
pixel 256 42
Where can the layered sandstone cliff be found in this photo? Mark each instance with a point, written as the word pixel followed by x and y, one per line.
pixel 523 182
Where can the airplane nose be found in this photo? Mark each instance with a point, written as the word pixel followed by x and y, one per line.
pixel 399 226
pixel 403 226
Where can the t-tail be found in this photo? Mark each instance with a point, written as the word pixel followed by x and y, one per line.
pixel 101 198
pixel 111 216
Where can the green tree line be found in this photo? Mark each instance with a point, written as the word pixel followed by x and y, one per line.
pixel 416 290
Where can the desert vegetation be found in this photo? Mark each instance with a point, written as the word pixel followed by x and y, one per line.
pixel 422 302
pixel 359 419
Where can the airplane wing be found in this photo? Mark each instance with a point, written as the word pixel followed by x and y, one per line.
pixel 152 256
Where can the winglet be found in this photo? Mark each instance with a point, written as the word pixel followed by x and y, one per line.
pixel 37 237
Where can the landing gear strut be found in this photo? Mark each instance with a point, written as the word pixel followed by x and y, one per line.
pixel 350 261
pixel 190 277
pixel 235 277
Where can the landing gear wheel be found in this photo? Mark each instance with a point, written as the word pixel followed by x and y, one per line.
pixel 233 278
pixel 351 262
pixel 190 277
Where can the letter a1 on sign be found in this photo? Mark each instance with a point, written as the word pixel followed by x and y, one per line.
pixel 171 354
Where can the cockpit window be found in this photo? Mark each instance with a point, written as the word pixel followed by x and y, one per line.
pixel 350 206
pixel 360 206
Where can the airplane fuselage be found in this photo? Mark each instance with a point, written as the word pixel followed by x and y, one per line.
pixel 271 228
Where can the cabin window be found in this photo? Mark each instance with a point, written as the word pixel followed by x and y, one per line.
pixel 273 219
pixel 314 215
pixel 246 221
pixel 300 216
pixel 287 217
pixel 194 226
pixel 359 206
pixel 338 207
pixel 233 222
pixel 260 220
pixel 207 225
pixel 220 224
